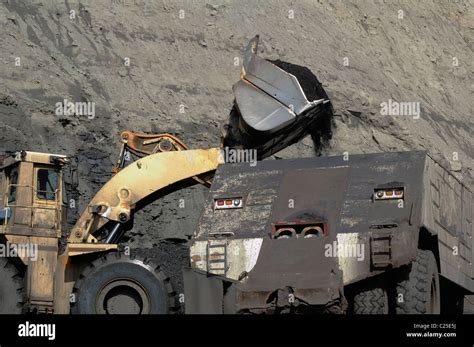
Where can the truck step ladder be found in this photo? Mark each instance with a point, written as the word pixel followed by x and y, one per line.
pixel 217 257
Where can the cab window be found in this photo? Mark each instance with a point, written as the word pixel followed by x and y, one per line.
pixel 13 181
pixel 47 184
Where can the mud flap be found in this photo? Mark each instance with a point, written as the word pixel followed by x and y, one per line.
pixel 282 281
pixel 208 294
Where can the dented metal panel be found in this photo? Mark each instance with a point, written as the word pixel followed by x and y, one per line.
pixel 294 265
pixel 364 237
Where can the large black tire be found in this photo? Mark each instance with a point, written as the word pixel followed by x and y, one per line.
pixel 418 288
pixel 11 289
pixel 120 284
pixel 372 301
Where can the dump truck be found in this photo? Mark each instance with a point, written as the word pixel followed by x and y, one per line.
pixel 51 269
pixel 368 234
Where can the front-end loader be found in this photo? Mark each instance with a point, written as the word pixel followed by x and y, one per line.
pixel 89 274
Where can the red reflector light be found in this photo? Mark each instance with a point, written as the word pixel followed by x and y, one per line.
pixel 388 194
pixel 228 203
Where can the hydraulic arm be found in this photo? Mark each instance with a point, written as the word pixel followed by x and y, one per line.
pixel 117 199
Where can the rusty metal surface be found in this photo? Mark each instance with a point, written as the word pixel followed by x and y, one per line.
pixel 294 264
pixel 262 184
pixel 340 193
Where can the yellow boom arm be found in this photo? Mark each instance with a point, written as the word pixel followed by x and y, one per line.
pixel 116 200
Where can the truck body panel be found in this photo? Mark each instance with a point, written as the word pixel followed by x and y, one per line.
pixel 364 234
pixel 447 212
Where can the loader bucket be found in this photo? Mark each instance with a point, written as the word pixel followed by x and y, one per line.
pixel 271 109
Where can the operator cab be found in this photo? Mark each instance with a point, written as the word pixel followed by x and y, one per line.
pixel 32 199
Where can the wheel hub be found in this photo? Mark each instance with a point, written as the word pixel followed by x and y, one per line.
pixel 123 296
